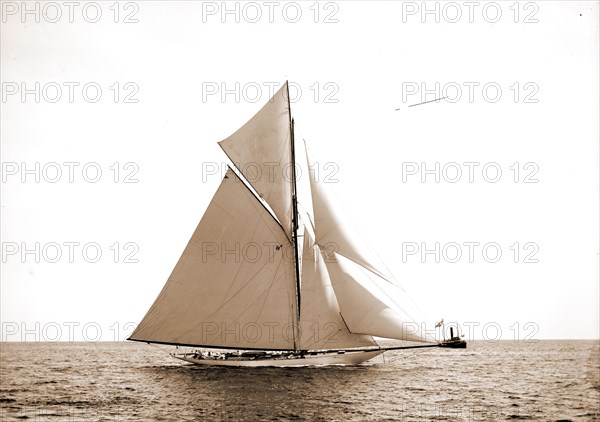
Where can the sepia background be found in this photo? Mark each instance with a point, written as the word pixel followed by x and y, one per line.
pixel 111 113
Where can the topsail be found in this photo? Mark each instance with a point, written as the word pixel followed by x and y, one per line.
pixel 261 151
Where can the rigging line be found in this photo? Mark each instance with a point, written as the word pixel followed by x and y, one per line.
pixel 385 293
pixel 251 279
pixel 374 349
pixel 266 221
pixel 252 191
pixel 263 206
pixel 240 267
pixel 241 288
pixel 266 293
pixel 411 313
pixel 373 270
pixel 170 279
pixel 388 275
pixel 398 308
pixel 262 296
pixel 249 197
pixel 319 255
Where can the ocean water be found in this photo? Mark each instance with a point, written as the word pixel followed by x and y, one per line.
pixel 489 381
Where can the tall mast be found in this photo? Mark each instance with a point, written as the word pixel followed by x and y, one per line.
pixel 294 218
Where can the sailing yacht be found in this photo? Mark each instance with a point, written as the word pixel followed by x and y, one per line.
pixel 269 278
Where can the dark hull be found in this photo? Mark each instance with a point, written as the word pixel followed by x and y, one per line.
pixel 454 344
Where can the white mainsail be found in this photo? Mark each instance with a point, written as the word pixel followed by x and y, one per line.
pixel 241 282
pixel 234 283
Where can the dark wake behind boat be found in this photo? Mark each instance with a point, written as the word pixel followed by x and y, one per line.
pixel 271 284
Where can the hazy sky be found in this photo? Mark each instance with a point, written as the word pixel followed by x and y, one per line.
pixel 111 117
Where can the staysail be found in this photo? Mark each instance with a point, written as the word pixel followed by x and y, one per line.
pixel 234 284
pixel 321 325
